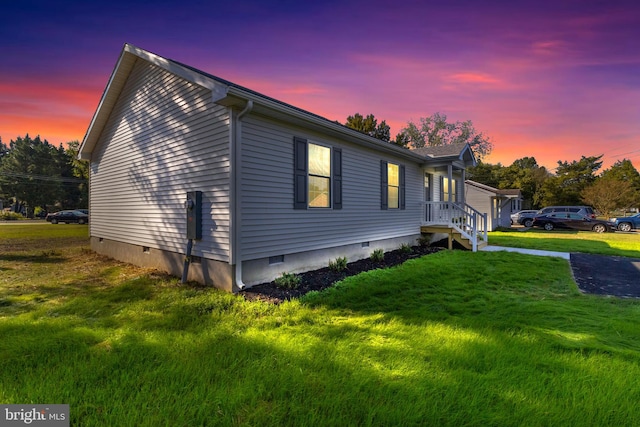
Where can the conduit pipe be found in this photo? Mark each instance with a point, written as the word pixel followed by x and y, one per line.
pixel 236 168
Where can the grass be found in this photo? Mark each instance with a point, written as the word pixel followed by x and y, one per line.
pixel 455 338
pixel 620 244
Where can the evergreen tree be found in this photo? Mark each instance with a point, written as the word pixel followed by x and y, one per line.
pixel 35 173
pixel 369 126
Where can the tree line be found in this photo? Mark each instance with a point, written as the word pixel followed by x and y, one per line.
pixel 578 182
pixel 37 176
pixel 571 183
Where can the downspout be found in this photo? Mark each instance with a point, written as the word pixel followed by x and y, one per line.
pixel 236 169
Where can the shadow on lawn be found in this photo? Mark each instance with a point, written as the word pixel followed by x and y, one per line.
pixel 108 356
pixel 490 298
pixel 297 373
pixel 46 257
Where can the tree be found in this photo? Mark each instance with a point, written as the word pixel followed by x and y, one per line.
pixel 623 170
pixel 526 175
pixel 35 173
pixel 25 170
pixel 402 140
pixel 3 149
pixel 435 131
pixel 609 194
pixel 369 126
pixel 566 186
pixel 77 188
pixel 485 173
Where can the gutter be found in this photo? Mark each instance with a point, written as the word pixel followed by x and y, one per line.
pixel 236 169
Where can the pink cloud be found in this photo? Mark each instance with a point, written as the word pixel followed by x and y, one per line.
pixel 473 78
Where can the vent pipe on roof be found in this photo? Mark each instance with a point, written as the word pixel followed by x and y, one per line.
pixel 236 168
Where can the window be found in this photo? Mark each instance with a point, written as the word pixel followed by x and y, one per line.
pixel 393 174
pixel 445 190
pixel 317 175
pixel 392 192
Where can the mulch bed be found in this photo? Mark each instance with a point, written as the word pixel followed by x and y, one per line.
pixel 323 278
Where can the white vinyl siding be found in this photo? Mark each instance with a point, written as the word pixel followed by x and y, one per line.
pixel 163 138
pixel 271 226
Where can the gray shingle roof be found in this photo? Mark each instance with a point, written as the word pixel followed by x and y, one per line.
pixel 448 150
pixel 498 191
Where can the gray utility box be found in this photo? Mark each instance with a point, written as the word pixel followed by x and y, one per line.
pixel 194 215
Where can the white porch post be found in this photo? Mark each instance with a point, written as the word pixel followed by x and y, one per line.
pixel 463 199
pixel 450 178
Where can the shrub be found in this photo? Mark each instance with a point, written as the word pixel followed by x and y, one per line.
pixel 10 216
pixel 424 240
pixel 405 248
pixel 340 264
pixel 377 255
pixel 288 281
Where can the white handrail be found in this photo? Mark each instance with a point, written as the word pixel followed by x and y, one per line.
pixel 459 216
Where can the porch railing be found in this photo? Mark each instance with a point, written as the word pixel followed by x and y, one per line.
pixel 469 222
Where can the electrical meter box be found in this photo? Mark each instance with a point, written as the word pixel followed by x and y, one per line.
pixel 194 215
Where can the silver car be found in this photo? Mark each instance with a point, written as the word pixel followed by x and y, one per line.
pixel 523 217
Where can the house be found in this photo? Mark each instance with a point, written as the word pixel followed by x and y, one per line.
pixel 198 176
pixel 497 204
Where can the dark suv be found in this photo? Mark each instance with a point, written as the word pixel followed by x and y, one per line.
pixel 586 211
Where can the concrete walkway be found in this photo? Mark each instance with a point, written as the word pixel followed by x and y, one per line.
pixel 564 255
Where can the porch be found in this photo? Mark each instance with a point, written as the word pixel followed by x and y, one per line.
pixel 459 221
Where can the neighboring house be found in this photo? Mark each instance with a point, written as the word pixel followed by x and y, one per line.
pixel 497 204
pixel 282 189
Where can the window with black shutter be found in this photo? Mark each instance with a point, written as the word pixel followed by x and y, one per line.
pixel 392 186
pixel 317 175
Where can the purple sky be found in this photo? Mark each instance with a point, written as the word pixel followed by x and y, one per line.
pixel 551 79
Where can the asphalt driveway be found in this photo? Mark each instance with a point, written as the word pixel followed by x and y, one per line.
pixel 606 275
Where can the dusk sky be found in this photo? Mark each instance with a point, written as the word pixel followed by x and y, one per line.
pixel 550 79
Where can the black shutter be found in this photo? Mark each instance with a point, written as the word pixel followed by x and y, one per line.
pixel 300 165
pixel 384 186
pixel 401 191
pixel 337 178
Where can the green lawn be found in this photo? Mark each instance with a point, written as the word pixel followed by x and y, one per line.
pixel 620 244
pixel 455 338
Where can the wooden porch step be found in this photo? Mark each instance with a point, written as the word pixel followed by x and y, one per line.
pixel 453 235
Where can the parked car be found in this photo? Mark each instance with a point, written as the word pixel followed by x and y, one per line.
pixel 572 221
pixel 67 217
pixel 523 217
pixel 582 210
pixel 627 223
